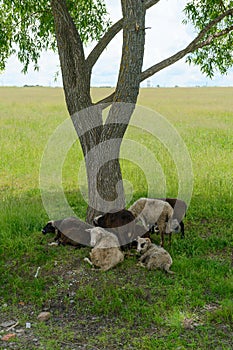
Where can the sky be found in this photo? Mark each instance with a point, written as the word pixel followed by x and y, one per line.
pixel 166 36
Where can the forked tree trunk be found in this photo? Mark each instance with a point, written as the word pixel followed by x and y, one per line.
pixel 101 151
pixel 101 143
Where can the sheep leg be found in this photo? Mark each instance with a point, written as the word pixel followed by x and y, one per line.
pixel 88 261
pixel 162 232
pixel 152 229
pixel 144 256
pixel 170 238
pixel 182 229
pixel 162 229
pixel 166 268
pixel 162 239
pixel 141 264
pixel 58 235
pixel 53 244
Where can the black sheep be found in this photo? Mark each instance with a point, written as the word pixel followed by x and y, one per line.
pixel 122 223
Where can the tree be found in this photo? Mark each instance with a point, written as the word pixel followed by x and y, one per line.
pixel 29 26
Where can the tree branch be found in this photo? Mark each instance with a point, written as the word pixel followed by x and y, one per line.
pixel 212 23
pixel 72 58
pixel 128 83
pixel 106 101
pixel 111 33
pixel 150 3
pixel 102 44
pixel 210 39
pixel 194 45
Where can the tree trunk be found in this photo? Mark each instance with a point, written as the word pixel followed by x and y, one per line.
pixel 104 179
pixel 105 189
pixel 101 143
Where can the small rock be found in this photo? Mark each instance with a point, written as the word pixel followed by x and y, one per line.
pixel 44 316
pixel 45 308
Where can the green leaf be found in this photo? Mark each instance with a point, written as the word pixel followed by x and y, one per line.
pixel 27 27
pixel 216 56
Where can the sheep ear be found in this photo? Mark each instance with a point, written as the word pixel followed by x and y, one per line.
pixel 88 229
pixel 147 239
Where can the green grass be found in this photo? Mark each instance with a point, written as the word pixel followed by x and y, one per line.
pixel 127 307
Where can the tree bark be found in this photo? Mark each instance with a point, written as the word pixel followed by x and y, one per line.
pixel 109 178
pixel 101 143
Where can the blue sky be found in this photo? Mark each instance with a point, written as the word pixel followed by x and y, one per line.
pixel 166 36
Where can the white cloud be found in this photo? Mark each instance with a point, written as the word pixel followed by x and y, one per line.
pixel 166 36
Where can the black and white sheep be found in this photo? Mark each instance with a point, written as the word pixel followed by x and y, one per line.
pixel 105 253
pixel 154 211
pixel 70 230
pixel 153 257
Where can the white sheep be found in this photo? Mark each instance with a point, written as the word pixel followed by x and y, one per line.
pixel 106 253
pixel 153 256
pixel 154 211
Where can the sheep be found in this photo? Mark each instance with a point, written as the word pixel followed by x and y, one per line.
pixel 123 224
pixel 179 207
pixel 105 253
pixel 70 230
pixel 153 257
pixel 114 219
pixel 154 211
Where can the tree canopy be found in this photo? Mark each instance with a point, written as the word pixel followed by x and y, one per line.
pixel 27 28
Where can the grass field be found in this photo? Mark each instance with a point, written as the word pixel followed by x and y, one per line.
pixel 127 307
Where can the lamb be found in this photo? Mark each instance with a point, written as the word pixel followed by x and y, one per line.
pixel 179 207
pixel 154 211
pixel 70 230
pixel 106 253
pixel 153 257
